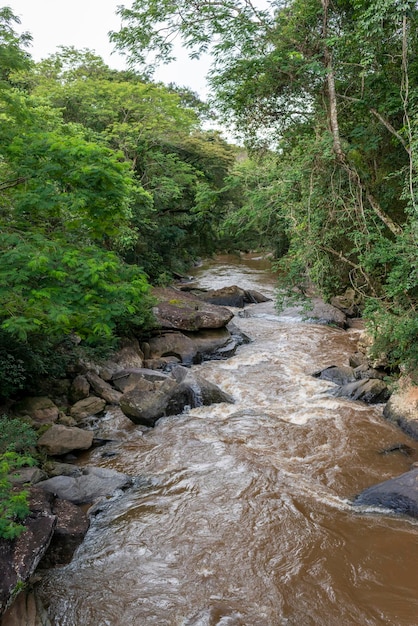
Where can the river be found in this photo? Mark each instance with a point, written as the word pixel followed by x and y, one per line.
pixel 242 515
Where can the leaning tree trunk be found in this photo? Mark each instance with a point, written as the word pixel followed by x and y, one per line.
pixel 335 130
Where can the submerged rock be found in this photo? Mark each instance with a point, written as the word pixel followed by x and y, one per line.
pixel 398 494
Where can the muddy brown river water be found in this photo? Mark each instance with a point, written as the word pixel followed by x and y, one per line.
pixel 242 513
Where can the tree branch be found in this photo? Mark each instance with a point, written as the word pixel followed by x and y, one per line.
pixel 12 183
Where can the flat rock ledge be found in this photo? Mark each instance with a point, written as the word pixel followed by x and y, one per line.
pixel 176 309
pixel 94 483
pixel 398 494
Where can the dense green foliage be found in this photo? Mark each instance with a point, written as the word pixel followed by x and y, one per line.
pixel 13 504
pixel 325 93
pixel 107 185
pixel 17 440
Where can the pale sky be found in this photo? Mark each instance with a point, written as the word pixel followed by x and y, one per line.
pixel 85 24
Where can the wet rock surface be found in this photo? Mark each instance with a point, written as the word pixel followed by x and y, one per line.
pixel 232 296
pixel 398 494
pixel 53 531
pixel 371 391
pixel 148 401
pixel 70 530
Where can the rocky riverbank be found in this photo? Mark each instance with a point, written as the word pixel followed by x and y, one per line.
pixel 148 379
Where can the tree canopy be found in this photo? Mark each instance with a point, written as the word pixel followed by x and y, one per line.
pixel 102 175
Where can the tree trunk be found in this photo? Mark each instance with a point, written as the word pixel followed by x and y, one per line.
pixel 335 130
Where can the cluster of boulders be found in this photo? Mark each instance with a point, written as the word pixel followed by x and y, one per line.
pixel 364 379
pixel 148 380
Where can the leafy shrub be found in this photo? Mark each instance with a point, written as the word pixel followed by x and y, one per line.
pixel 16 435
pixel 13 505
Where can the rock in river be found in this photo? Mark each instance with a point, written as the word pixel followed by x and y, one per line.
pixel 149 401
pixel 399 494
pixel 94 483
pixel 183 311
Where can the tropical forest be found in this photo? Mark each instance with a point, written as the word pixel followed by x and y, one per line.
pixel 114 186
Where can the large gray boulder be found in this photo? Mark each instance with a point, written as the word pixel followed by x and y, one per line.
pixel 210 342
pixel 95 482
pixel 324 313
pixel 232 296
pixel 172 343
pixel 192 347
pixel 148 401
pixel 194 390
pixel 126 380
pixel 402 408
pixel 178 310
pixel 59 440
pixel 398 494
pixel 340 375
